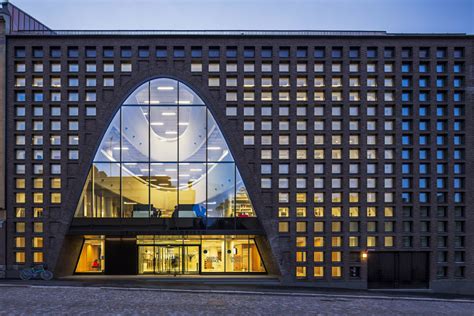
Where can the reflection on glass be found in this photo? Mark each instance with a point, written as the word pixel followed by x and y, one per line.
pixel 220 190
pixel 163 133
pixel 192 190
pixel 109 148
pixel 135 190
pixel 192 133
pixel 172 157
pixel 91 259
pixel 135 133
pixel 106 189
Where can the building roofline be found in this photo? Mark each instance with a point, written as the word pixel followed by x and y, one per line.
pixel 232 33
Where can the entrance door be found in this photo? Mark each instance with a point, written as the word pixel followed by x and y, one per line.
pixel 398 270
pixel 168 260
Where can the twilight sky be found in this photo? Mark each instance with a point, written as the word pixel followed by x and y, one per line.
pixel 435 16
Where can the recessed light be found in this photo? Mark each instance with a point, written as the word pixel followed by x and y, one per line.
pixel 165 88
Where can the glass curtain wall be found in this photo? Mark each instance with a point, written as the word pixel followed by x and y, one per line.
pixel 198 254
pixel 163 155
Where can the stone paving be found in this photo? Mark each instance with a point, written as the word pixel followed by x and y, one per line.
pixel 51 300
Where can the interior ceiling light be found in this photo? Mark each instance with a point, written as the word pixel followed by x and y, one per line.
pixel 165 88
pixel 168 113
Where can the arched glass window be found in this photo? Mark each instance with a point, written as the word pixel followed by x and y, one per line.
pixel 163 155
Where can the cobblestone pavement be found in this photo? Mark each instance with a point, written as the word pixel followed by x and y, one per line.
pixel 51 300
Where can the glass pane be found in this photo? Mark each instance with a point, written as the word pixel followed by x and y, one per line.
pixel 84 208
pixel 191 259
pixel 163 187
pixel 212 255
pixel 220 190
pixel 164 133
pixel 145 259
pixel 237 255
pixel 255 260
pixel 135 133
pixel 192 133
pixel 140 95
pixel 217 149
pixel 168 260
pixel 92 258
pixel 109 149
pixel 135 190
pixel 164 91
pixel 188 96
pixel 192 190
pixel 243 206
pixel 106 189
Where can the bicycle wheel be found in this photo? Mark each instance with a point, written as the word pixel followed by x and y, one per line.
pixel 46 275
pixel 26 275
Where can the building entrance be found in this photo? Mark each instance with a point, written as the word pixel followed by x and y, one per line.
pixel 170 255
pixel 169 259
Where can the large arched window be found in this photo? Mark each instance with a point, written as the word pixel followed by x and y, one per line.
pixel 163 155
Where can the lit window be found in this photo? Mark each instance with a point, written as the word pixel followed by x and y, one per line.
pixel 196 67
pixel 55 198
pixel 283 227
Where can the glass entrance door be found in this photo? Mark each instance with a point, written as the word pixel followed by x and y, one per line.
pixel 168 260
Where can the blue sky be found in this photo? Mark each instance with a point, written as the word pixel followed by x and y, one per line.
pixel 435 16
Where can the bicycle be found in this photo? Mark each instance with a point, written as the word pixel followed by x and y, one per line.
pixel 35 272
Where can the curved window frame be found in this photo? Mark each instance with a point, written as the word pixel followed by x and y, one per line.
pixel 218 157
